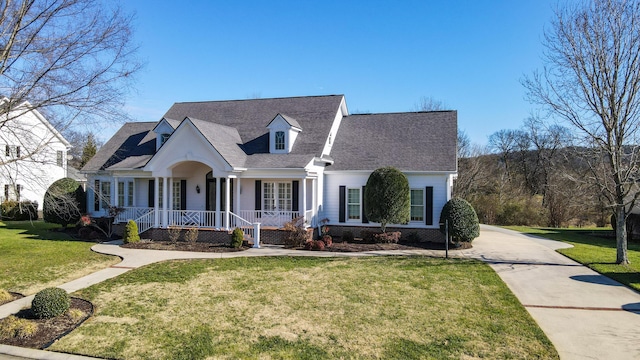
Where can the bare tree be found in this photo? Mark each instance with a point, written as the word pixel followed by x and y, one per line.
pixel 428 103
pixel 591 80
pixel 71 61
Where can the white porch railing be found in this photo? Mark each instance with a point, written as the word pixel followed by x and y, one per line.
pixel 145 222
pixel 250 230
pixel 308 218
pixel 132 213
pixel 198 218
pixel 269 218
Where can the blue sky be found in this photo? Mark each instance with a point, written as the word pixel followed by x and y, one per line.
pixel 382 55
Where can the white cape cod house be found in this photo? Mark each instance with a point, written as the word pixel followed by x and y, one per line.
pixel 221 164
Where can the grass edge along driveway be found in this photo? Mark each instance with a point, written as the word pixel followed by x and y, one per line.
pixel 597 253
pixel 33 257
pixel 298 307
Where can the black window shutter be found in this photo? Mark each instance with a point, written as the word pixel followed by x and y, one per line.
pixel 258 198
pixel 295 198
pixel 341 214
pixel 428 218
pixel 364 206
pixel 152 190
pixel 96 195
pixel 183 194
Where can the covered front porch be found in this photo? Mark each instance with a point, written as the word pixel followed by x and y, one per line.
pixel 195 194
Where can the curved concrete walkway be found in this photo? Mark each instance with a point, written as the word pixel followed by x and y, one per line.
pixel 586 315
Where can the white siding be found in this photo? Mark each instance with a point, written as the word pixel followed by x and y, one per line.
pixel 333 181
pixel 35 173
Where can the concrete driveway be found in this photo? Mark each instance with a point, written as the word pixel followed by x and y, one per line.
pixel 586 315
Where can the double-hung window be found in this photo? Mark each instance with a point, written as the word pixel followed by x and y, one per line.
pixel 106 194
pixel 121 193
pixel 417 205
pixel 130 193
pixel 353 204
pixel 60 158
pixel 177 196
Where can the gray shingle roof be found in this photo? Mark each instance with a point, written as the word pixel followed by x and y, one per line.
pixel 130 147
pixel 314 114
pixel 224 139
pixel 416 141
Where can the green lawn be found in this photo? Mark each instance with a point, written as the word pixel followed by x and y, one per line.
pixel 308 308
pixel 32 257
pixel 595 252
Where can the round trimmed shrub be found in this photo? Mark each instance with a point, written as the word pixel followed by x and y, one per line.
pixel 130 234
pixel 50 302
pixel 64 202
pixel 462 218
pixel 237 237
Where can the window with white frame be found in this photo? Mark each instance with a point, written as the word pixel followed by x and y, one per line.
pixel 284 196
pixel 353 204
pixel 279 140
pixel 12 151
pixel 130 193
pixel 59 158
pixel 280 200
pixel 105 193
pixel 12 192
pixel 177 196
pixel 121 193
pixel 417 205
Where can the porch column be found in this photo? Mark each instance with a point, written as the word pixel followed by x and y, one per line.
pixel 227 201
pixel 170 201
pixel 304 201
pixel 237 208
pixel 114 199
pixel 156 201
pixel 219 203
pixel 165 213
pixel 314 199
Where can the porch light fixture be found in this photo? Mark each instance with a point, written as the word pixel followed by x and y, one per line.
pixel 198 189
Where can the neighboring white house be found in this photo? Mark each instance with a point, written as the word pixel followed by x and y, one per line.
pixel 221 164
pixel 33 154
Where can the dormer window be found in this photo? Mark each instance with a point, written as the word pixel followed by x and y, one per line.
pixel 164 138
pixel 279 140
pixel 283 131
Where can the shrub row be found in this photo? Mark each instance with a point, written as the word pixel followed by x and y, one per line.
pixel 18 211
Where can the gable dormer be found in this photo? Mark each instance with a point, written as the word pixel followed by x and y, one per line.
pixel 283 131
pixel 163 130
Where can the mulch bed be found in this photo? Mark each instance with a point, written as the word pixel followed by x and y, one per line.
pixel 183 246
pixel 50 330
pixel 362 247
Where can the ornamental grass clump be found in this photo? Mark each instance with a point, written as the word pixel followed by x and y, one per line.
pixel 50 302
pixel 5 296
pixel 191 236
pixel 237 237
pixel 14 327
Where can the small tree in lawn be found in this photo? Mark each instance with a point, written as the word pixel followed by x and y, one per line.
pixel 387 198
pixel 463 224
pixel 64 202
